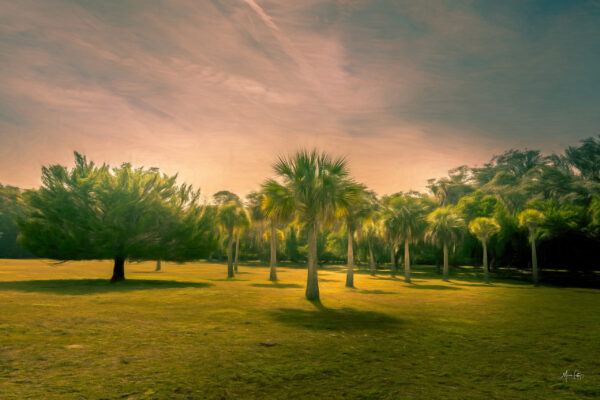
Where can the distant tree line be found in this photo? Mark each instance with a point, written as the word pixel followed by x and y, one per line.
pixel 523 209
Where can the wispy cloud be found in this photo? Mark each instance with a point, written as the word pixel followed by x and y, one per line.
pixel 215 89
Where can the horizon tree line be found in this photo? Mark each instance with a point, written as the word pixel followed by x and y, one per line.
pixel 313 210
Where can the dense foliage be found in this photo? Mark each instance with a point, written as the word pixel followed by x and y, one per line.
pixel 558 194
pixel 92 212
pixel 544 211
pixel 11 208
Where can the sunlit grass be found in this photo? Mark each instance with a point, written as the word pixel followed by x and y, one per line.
pixel 189 333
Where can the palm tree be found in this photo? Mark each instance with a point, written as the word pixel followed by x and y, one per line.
pixel 237 216
pixel 315 184
pixel 483 228
pixel 228 219
pixel 278 208
pixel 258 220
pixel 532 219
pixel 445 227
pixel 391 231
pixel 242 223
pixel 358 211
pixel 408 213
pixel 371 227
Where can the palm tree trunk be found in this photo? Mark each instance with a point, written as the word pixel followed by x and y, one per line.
pixel 393 260
pixel 312 282
pixel 273 273
pixel 446 268
pixel 237 251
pixel 406 261
pixel 158 266
pixel 230 256
pixel 118 269
pixel 485 263
pixel 371 257
pixel 350 274
pixel 534 262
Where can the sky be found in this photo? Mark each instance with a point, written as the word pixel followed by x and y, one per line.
pixel 216 90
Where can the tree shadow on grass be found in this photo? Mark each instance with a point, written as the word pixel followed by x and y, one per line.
pixel 345 319
pixel 94 286
pixel 473 284
pixel 277 285
pixel 375 292
pixel 434 287
pixel 387 278
pixel 228 280
pixel 146 272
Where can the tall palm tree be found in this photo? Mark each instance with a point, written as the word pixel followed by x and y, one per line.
pixel 445 227
pixel 258 220
pixel 357 212
pixel 531 219
pixel 242 223
pixel 237 216
pixel 391 230
pixel 315 184
pixel 278 208
pixel 483 228
pixel 371 227
pixel 227 217
pixel 409 214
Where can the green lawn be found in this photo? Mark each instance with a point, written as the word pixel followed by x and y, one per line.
pixel 189 333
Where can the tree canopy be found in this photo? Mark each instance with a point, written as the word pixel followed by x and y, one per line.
pixel 98 212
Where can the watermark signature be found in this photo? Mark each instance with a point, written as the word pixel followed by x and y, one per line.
pixel 575 375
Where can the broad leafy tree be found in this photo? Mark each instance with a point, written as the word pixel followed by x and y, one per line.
pixel 12 207
pixel 98 212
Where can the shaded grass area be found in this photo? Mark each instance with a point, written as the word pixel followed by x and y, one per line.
pixel 67 333
pixel 334 319
pixel 277 285
pixel 92 286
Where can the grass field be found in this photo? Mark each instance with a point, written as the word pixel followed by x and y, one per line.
pixel 189 333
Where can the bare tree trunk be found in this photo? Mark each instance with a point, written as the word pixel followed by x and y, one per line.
pixel 446 268
pixel 230 256
pixel 237 251
pixel 118 269
pixel 158 266
pixel 393 260
pixel 534 262
pixel 273 264
pixel 312 282
pixel 406 261
pixel 371 257
pixel 485 263
pixel 350 274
